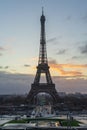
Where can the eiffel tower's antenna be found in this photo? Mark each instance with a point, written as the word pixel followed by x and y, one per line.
pixel 42 10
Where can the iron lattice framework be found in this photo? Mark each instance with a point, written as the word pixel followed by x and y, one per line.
pixel 42 67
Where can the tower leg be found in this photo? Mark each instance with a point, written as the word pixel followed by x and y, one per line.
pixel 39 88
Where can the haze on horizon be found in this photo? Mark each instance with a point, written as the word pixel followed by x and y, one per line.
pixel 66 39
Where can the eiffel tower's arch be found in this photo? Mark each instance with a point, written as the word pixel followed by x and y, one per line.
pixel 47 88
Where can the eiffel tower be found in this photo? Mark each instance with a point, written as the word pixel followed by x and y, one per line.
pixel 42 68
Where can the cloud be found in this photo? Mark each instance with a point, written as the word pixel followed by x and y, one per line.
pixel 15 83
pixel 71 85
pixel 21 83
pixel 26 65
pixel 5 49
pixel 83 49
pixel 1 67
pixel 76 57
pixel 60 69
pixel 74 65
pixel 7 42
pixel 52 40
pixel 68 18
pixel 52 61
pixel 62 51
pixel 68 69
pixel 2 48
pixel 6 67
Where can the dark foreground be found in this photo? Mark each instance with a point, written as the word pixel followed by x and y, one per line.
pixel 45 128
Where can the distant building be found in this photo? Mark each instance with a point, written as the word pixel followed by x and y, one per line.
pixel 62 94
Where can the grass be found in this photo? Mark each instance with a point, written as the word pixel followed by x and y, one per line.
pixel 70 123
pixel 63 122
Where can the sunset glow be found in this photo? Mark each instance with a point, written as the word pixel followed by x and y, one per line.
pixel 66 40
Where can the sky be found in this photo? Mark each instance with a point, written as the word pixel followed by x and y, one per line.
pixel 66 40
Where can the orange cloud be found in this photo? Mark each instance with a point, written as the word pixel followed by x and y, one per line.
pixel 73 66
pixel 60 69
